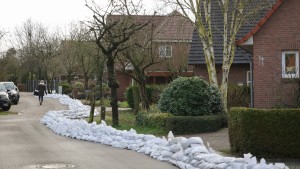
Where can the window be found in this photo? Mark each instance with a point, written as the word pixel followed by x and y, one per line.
pixel 290 64
pixel 248 78
pixel 165 51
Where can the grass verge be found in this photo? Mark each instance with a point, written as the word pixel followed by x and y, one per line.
pixel 127 121
pixel 6 112
pixel 106 103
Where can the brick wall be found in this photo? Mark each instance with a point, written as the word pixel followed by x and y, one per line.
pixel 237 75
pixel 124 82
pixel 281 32
pixel 179 60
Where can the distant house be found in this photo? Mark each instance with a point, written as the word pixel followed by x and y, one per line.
pixel 271 44
pixel 172 35
pixel 274 43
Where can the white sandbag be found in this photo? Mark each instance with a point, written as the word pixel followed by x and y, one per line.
pixel 198 150
pixel 166 154
pixel 192 140
pixel 175 148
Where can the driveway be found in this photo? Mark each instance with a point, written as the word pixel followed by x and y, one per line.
pixel 27 144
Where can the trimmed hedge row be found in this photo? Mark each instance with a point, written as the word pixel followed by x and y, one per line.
pixel 194 124
pixel 181 124
pixel 269 133
pixel 152 119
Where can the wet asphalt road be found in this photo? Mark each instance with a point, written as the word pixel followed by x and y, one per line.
pixel 27 144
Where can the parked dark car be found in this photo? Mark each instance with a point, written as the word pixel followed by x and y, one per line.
pixel 4 98
pixel 13 92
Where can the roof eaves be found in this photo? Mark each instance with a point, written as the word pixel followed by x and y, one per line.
pixel 260 23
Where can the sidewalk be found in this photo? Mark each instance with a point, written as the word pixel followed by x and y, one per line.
pixel 219 141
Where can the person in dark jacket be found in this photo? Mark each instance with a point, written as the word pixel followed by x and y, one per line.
pixel 42 89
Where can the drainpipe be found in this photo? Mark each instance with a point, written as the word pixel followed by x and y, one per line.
pixel 251 84
pixel 250 59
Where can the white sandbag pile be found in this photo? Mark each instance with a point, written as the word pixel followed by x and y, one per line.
pixel 77 109
pixel 185 153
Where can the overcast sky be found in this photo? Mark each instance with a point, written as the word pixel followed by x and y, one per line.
pixel 51 13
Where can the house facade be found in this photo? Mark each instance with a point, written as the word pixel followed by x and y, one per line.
pixel 172 35
pixel 275 44
pixel 240 71
pixel 269 48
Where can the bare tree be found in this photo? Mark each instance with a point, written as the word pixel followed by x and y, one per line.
pixel 84 51
pixel 136 60
pixel 235 14
pixel 9 66
pixel 112 33
pixel 36 46
pixel 68 52
pixel 48 52
pixel 26 37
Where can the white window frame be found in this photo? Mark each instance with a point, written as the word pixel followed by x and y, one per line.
pixel 248 78
pixel 163 51
pixel 284 73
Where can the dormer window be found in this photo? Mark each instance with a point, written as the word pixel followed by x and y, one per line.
pixel 165 51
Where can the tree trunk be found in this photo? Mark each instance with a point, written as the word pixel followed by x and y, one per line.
pixel 69 78
pixel 224 87
pixel 86 81
pixel 93 100
pixel 113 85
pixel 136 99
pixel 100 81
pixel 144 96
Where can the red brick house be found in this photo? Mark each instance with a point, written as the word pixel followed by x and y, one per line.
pixel 271 45
pixel 274 43
pixel 172 35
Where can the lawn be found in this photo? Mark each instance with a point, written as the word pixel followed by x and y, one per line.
pixel 127 121
pixel 105 102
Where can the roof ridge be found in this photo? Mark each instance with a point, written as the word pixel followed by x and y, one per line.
pixel 260 23
pixel 164 21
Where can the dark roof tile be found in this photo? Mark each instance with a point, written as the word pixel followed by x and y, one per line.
pixel 196 55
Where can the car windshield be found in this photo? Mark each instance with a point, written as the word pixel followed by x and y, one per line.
pixel 9 85
pixel 2 87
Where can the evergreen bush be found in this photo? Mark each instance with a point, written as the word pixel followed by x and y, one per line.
pixel 270 133
pixel 238 96
pixel 152 119
pixel 190 96
pixel 193 125
pixel 79 86
pixel 153 94
pixel 66 87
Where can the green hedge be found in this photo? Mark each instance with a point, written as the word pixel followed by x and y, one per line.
pixel 66 87
pixel 269 133
pixel 190 96
pixel 194 124
pixel 238 96
pixel 153 94
pixel 152 119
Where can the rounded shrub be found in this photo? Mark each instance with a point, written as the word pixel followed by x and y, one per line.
pixel 154 92
pixel 66 87
pixel 190 96
pixel 129 96
pixel 79 86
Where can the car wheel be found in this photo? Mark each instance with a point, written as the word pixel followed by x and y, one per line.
pixel 6 108
pixel 16 101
